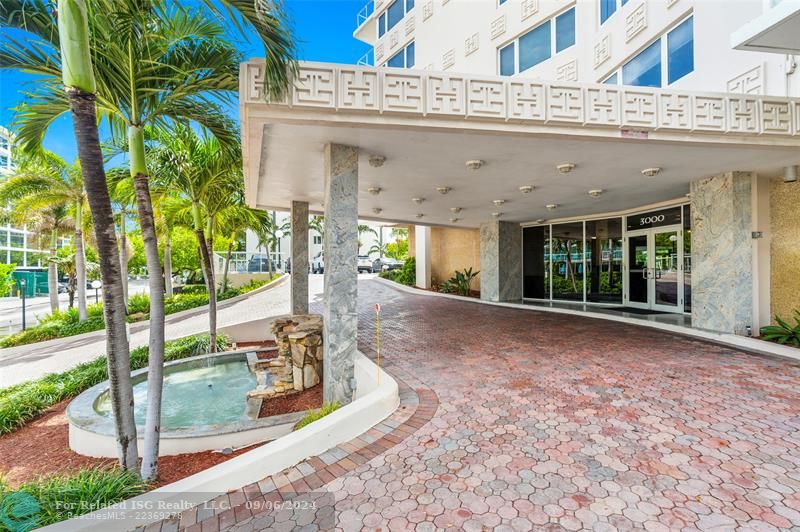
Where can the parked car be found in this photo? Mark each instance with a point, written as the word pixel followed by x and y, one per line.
pixel 318 263
pixel 364 264
pixel 385 264
pixel 259 263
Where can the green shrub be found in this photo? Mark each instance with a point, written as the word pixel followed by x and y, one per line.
pixel 194 289
pixel 6 279
pixel 22 402
pixel 783 333
pixel 139 303
pixel 408 273
pixel 180 302
pixel 460 283
pixel 391 274
pixel 71 329
pixel 60 497
pixel 313 415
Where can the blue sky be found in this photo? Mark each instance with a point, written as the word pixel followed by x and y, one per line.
pixel 323 30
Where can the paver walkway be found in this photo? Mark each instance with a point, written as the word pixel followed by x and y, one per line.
pixel 552 422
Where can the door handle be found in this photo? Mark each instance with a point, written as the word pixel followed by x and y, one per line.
pixel 645 273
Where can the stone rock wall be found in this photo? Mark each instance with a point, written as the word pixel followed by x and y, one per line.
pixel 298 365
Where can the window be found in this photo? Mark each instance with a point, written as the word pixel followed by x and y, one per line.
pixel 664 62
pixel 565 30
pixel 680 51
pixel 394 14
pixel 539 44
pixel 317 240
pixel 3 161
pixel 609 7
pixel 17 240
pixel 644 70
pixel 404 58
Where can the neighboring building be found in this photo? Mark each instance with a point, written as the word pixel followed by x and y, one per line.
pixel 17 245
pixel 612 152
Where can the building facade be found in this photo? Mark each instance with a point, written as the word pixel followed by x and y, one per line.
pixel 17 245
pixel 641 256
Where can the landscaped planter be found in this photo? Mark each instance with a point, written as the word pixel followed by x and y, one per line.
pixel 204 408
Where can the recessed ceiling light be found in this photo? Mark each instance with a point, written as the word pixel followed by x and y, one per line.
pixel 651 172
pixel 455 210
pixel 377 210
pixel 596 192
pixel 417 200
pixel 526 189
pixel 376 161
pixel 374 190
pixel 540 220
pixel 475 164
pixel 454 220
pixel 443 190
pixel 552 206
pixel 419 215
pixel 565 168
pixel 498 202
pixel 497 214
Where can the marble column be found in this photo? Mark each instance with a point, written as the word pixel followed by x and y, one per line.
pixel 340 248
pixel 501 261
pixel 722 253
pixel 422 250
pixel 299 257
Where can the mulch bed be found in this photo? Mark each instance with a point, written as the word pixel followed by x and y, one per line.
pixel 41 448
pixel 296 402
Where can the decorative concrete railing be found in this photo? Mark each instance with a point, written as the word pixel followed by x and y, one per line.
pixel 346 88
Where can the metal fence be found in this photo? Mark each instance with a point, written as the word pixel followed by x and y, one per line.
pixel 247 262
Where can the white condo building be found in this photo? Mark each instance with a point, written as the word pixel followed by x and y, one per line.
pixel 679 44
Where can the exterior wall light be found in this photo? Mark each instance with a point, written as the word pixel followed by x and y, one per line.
pixel 596 192
pixel 526 189
pixel 475 164
pixel 565 168
pixel 455 210
pixel 377 210
pixel 551 206
pixel 376 161
pixel 498 202
pixel 443 190
pixel 651 172
pixel 790 174
pixel 417 200
pixel 374 190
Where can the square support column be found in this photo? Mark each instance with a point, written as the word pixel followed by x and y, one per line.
pixel 340 248
pixel 422 250
pixel 501 261
pixel 299 257
pixel 722 253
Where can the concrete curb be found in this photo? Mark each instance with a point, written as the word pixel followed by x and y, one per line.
pixel 751 345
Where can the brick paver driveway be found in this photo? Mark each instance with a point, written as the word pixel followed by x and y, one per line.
pixel 553 422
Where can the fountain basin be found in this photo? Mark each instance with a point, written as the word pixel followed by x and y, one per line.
pixel 204 407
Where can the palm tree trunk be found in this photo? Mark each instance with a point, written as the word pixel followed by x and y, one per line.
pixel 155 372
pixel 123 255
pixel 82 105
pixel 167 264
pixel 80 263
pixel 52 274
pixel 208 274
pixel 227 265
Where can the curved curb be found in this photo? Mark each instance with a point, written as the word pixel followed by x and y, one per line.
pixel 750 345
pixel 246 472
pixel 137 326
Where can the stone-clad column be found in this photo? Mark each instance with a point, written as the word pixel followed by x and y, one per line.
pixel 341 254
pixel 722 253
pixel 299 257
pixel 501 261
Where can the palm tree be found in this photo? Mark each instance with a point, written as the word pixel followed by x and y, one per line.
pixel 50 224
pixel 269 234
pixel 123 198
pixel 42 181
pixel 363 228
pixel 317 223
pixel 235 219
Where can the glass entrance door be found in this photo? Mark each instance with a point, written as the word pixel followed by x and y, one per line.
pixel 655 269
